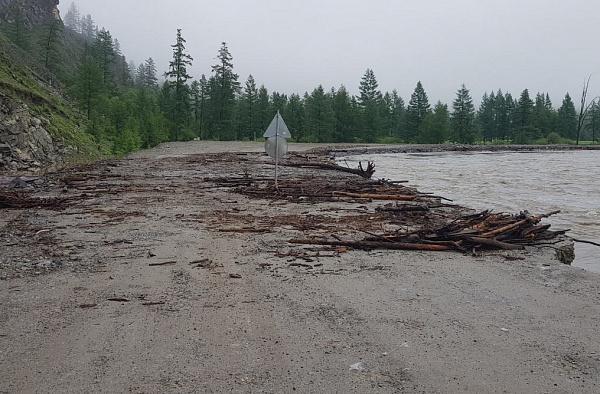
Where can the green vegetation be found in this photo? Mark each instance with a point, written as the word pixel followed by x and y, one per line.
pixel 19 82
pixel 123 107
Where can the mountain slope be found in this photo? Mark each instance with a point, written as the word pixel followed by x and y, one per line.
pixel 38 127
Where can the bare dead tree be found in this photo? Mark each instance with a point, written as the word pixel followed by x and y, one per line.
pixel 585 108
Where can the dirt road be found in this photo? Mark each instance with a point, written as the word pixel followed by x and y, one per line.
pixel 101 296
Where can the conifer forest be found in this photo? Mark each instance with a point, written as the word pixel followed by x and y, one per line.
pixel 131 106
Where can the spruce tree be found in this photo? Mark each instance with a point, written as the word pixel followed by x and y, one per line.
pixel 104 52
pixel 435 128
pixel 502 117
pixel 320 119
pixel 344 119
pixel 463 117
pixel 370 100
pixel 263 109
pixel 73 18
pixel 567 118
pixel 88 28
pixel 88 83
pixel 418 108
pixel 524 131
pixel 398 116
pixel 486 116
pixel 295 117
pixel 224 87
pixel 151 78
pixel 51 43
pixel 250 99
pixel 177 78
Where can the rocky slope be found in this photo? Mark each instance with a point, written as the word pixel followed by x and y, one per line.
pixel 38 127
pixel 36 11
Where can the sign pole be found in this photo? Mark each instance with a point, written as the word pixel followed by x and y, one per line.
pixel 277 151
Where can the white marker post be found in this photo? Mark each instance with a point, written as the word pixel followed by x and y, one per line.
pixel 276 142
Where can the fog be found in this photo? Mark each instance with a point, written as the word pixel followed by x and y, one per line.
pixel 295 45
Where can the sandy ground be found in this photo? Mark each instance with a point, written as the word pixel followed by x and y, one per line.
pixel 249 321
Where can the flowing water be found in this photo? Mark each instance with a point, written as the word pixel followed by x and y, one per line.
pixel 539 182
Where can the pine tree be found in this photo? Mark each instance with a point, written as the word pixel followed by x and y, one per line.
pixel 263 109
pixel 104 52
pixel 51 43
pixel 320 119
pixel 463 117
pixel 249 115
pixel 295 117
pixel 344 119
pixel 151 78
pixel 398 116
pixel 224 87
pixel 524 131
pixel 594 121
pixel 370 99
pixel 178 77
pixel 88 28
pixel 501 117
pixel 435 128
pixel 88 83
pixel 486 116
pixel 73 18
pixel 567 118
pixel 418 108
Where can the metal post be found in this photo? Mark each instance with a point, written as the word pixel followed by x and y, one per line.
pixel 277 151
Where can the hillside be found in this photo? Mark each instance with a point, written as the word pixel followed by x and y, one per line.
pixel 38 126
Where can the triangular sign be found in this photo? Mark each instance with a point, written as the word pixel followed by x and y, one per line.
pixel 277 128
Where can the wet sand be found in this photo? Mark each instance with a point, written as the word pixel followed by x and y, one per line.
pixel 247 321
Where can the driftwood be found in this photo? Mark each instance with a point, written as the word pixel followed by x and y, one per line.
pixel 371 245
pixel 466 234
pixel 367 196
pixel 162 263
pixel 366 173
pixel 404 208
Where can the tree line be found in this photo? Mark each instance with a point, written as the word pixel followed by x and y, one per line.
pixel 130 106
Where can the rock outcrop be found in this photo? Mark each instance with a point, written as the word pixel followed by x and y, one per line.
pixel 35 12
pixel 25 143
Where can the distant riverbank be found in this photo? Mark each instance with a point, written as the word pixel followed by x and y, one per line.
pixel 416 148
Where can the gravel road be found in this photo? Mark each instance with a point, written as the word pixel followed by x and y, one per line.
pixel 103 297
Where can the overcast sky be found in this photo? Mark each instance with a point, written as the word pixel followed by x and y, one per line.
pixel 295 45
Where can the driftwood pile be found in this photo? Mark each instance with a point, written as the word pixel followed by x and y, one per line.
pixel 485 230
pixel 320 188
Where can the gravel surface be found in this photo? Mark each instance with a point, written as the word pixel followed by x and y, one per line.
pixel 133 288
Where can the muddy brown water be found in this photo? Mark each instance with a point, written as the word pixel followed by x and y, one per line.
pixel 511 181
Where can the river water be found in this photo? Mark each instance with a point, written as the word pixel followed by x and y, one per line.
pixel 539 182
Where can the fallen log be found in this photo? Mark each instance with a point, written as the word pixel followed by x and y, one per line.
pixel 366 173
pixel 404 208
pixel 493 243
pixel 368 196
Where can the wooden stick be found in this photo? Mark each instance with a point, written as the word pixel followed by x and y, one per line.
pixel 585 242
pixel 385 197
pixel 163 263
pixel 370 245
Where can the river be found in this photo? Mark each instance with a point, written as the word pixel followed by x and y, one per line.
pixel 539 182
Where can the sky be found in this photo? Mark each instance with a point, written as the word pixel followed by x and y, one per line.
pixel 295 45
